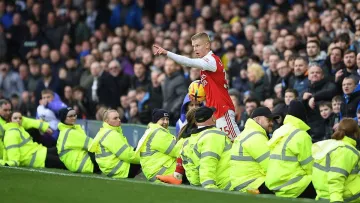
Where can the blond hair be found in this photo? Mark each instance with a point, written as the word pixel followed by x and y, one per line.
pixel 257 70
pixel 107 112
pixel 201 35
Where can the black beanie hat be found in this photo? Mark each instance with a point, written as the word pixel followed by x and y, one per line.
pixel 158 114
pixel 297 110
pixel 63 113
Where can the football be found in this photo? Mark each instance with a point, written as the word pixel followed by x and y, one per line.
pixel 196 91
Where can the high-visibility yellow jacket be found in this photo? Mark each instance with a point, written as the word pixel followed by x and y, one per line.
pixel 249 158
pixel 72 146
pixel 113 152
pixel 206 158
pixel 159 152
pixel 336 170
pixel 27 123
pixel 21 150
pixel 290 165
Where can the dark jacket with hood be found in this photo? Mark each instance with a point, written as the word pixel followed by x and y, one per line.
pixel 323 90
pixel 182 120
pixel 350 103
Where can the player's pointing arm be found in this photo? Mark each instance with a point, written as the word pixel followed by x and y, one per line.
pixel 201 46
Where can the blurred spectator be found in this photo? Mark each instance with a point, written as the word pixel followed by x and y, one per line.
pixel 10 81
pixel 255 75
pixel 48 82
pixel 250 105
pixel 301 75
pixel 140 78
pixel 320 89
pixel 144 108
pixel 174 90
pixel 126 12
pixel 116 83
pixel 351 98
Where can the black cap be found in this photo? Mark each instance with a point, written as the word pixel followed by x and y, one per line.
pixel 264 111
pixel 159 114
pixel 203 113
pixel 63 113
pixel 297 109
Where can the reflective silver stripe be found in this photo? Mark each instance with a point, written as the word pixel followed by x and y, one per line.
pixel 83 161
pixel 103 153
pixel 244 185
pixel 355 170
pixel 22 143
pixel 21 135
pixel 106 154
pixel 320 167
pixel 207 182
pixel 353 150
pixel 105 135
pixel 339 170
pixel 352 198
pixel 290 182
pixel 86 143
pixel 328 168
pixel 161 171
pixel 197 153
pixel 283 156
pixel 186 142
pixel 121 150
pixel 212 154
pixel 64 140
pixel 262 157
pixel 171 147
pixel 62 153
pixel 33 158
pixel 241 158
pixel 306 161
pixel 227 146
pixel 148 151
pixel 228 186
pixel 115 169
pixel 283 151
pixel 41 125
pixel 202 134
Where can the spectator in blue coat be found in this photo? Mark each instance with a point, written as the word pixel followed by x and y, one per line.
pixel 126 13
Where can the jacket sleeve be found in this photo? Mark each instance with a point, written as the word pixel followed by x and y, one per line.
pixel 341 164
pixel 301 145
pixel 28 123
pixel 77 140
pixel 327 93
pixel 120 148
pixel 210 148
pixel 165 143
pixel 259 150
pixel 11 142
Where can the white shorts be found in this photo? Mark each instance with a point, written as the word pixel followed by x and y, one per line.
pixel 228 125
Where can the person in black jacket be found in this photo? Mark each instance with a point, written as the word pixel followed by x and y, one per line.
pixel 113 85
pixel 174 90
pixel 319 89
pixel 351 97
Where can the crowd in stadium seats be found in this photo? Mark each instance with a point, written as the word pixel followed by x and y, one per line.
pixel 92 55
pixel 97 55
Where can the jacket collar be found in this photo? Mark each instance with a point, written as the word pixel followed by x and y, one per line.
pixel 254 126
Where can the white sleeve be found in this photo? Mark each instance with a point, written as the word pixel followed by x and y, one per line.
pixel 205 63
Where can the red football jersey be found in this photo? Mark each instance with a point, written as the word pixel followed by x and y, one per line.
pixel 216 88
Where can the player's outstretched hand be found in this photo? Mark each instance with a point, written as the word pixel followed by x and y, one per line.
pixel 158 50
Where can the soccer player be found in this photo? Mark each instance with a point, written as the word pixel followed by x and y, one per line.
pixel 213 78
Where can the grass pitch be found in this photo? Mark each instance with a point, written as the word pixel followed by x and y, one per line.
pixel 26 185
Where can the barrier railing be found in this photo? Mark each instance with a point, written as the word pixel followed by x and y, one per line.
pixel 132 132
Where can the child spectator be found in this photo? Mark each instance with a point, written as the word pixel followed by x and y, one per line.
pixel 327 114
